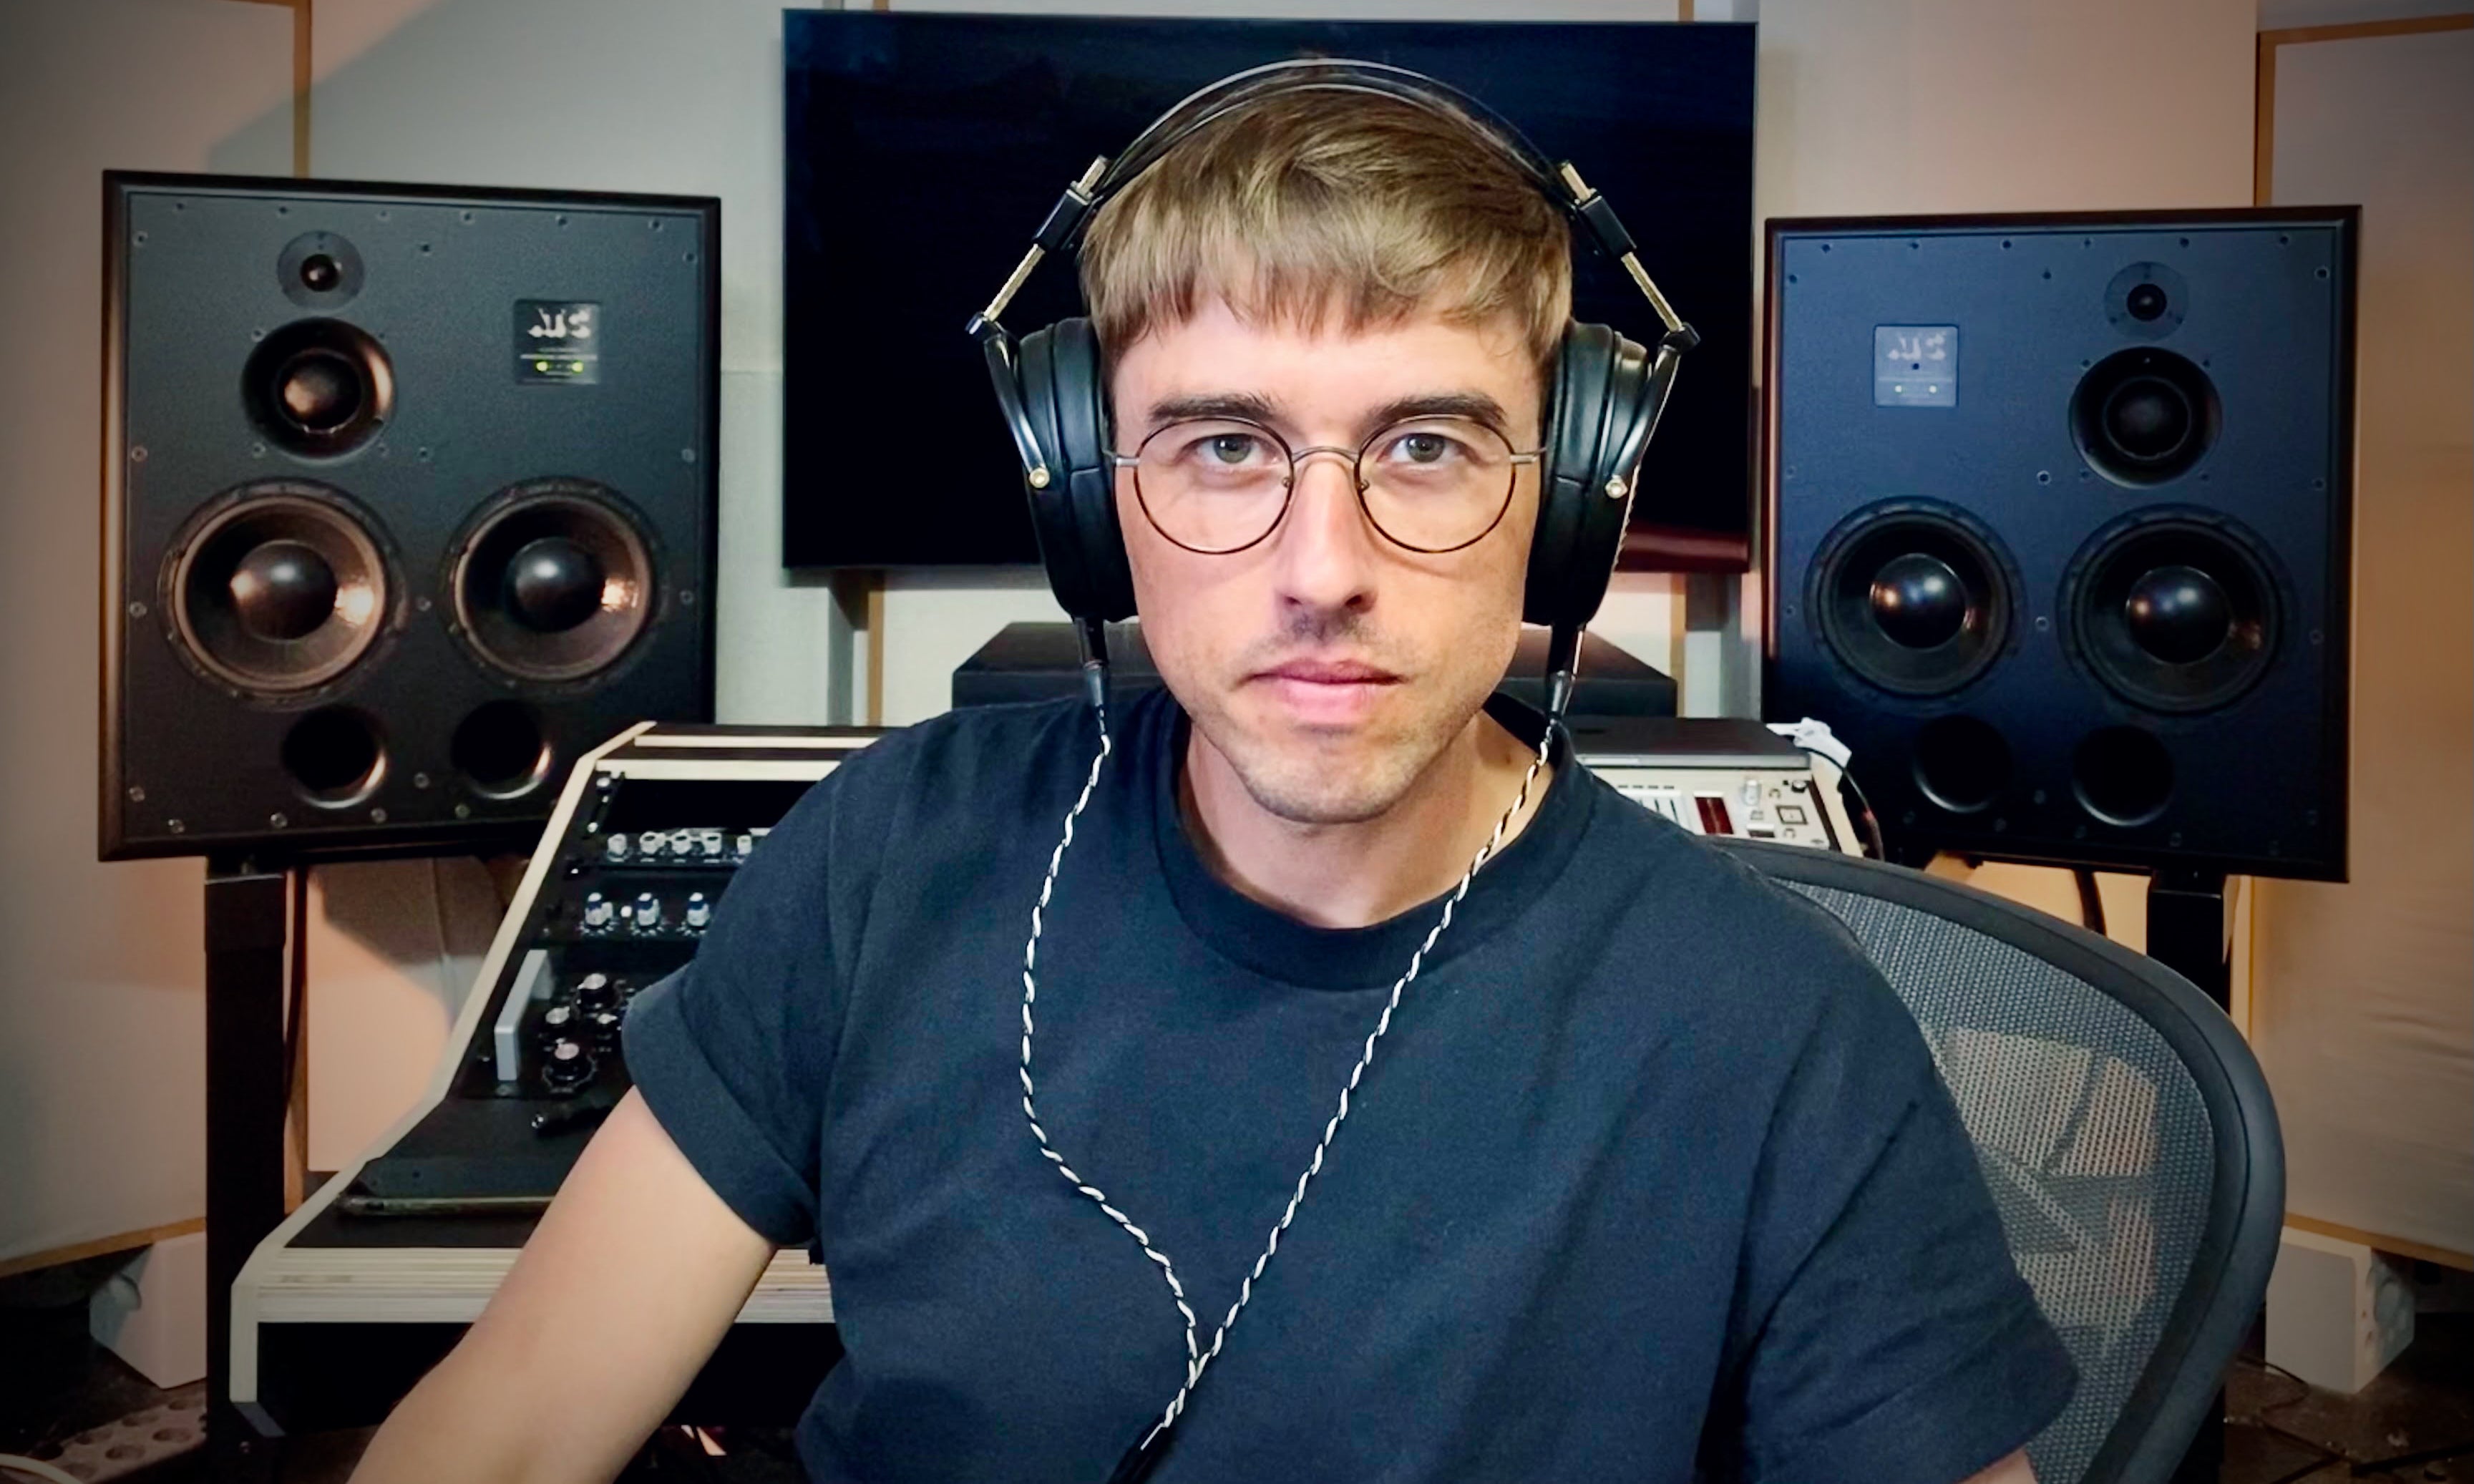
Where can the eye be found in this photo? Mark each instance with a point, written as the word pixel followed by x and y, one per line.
pixel 1232 447
pixel 1427 446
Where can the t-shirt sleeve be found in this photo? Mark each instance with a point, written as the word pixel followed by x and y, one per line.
pixel 1884 1332
pixel 731 1053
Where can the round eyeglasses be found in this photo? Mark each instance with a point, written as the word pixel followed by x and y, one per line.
pixel 1219 485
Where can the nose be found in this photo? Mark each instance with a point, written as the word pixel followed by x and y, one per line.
pixel 1325 557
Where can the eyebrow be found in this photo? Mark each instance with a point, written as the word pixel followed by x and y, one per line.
pixel 1255 407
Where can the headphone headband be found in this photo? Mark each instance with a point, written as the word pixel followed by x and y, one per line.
pixel 1322 74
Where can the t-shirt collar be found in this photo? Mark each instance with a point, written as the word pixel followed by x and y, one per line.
pixel 1273 944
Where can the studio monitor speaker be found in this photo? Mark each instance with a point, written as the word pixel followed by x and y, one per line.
pixel 2060 514
pixel 408 500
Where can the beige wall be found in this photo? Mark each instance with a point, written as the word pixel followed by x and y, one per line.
pixel 1866 105
pixel 102 1022
pixel 2364 994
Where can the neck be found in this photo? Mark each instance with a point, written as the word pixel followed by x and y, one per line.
pixel 1356 874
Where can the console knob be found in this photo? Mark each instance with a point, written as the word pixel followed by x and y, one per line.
pixel 593 990
pixel 709 844
pixel 648 912
pixel 598 911
pixel 743 846
pixel 557 1017
pixel 683 844
pixel 699 910
pixel 618 847
pixel 649 843
pixel 567 1067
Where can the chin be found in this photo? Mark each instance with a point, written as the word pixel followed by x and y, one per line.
pixel 1313 779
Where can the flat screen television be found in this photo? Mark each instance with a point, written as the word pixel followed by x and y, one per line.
pixel 922 150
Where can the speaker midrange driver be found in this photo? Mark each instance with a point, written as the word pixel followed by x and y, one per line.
pixel 2172 609
pixel 551 581
pixel 273 590
pixel 320 388
pixel 2144 416
pixel 1914 595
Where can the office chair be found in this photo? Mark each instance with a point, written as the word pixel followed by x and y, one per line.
pixel 2122 1126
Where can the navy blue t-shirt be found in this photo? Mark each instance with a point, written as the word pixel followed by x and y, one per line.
pixel 1651 1179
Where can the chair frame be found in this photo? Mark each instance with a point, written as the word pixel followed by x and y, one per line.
pixel 2246 1209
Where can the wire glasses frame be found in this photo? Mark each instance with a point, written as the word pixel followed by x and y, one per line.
pixel 1456 479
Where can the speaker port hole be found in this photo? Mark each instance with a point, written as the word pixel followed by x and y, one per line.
pixel 334 756
pixel 500 751
pixel 1961 763
pixel 2122 775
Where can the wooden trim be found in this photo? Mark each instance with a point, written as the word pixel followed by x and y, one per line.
pixel 2420 1251
pixel 876 650
pixel 2263 169
pixel 126 1241
pixel 2355 31
pixel 301 78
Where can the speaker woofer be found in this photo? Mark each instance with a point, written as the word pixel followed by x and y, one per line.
pixel 1914 595
pixel 277 588
pixel 2144 416
pixel 320 388
pixel 2172 609
pixel 552 581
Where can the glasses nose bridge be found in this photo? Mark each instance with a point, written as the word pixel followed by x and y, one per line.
pixel 1348 457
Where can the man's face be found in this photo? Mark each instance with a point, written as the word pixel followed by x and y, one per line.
pixel 1325 664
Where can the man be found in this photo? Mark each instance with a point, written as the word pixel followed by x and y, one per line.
pixel 1651 1177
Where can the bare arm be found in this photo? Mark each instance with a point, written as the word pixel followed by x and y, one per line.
pixel 633 1277
pixel 2012 1469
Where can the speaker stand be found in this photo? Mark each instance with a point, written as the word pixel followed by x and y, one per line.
pixel 2186 929
pixel 245 928
pixel 2186 933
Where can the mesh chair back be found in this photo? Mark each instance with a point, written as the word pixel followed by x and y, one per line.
pixel 2123 1128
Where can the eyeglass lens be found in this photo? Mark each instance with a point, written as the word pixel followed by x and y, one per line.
pixel 1219 484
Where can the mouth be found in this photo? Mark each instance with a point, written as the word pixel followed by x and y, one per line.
pixel 1327 693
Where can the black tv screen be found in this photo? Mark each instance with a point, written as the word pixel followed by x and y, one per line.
pixel 924 149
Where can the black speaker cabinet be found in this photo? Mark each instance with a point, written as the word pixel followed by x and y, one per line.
pixel 2060 513
pixel 408 500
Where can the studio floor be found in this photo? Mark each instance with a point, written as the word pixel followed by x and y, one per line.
pixel 63 1397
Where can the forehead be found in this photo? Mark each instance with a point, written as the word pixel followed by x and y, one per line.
pixel 1323 373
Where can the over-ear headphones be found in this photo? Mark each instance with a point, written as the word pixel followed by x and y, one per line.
pixel 1605 401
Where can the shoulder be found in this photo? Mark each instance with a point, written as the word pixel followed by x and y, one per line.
pixel 1756 965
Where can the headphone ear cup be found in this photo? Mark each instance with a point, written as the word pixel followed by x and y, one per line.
pixel 1595 430
pixel 1075 514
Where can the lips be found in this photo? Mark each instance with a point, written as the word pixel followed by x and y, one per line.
pixel 1336 672
pixel 1328 693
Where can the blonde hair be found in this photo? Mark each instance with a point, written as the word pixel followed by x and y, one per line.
pixel 1304 204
